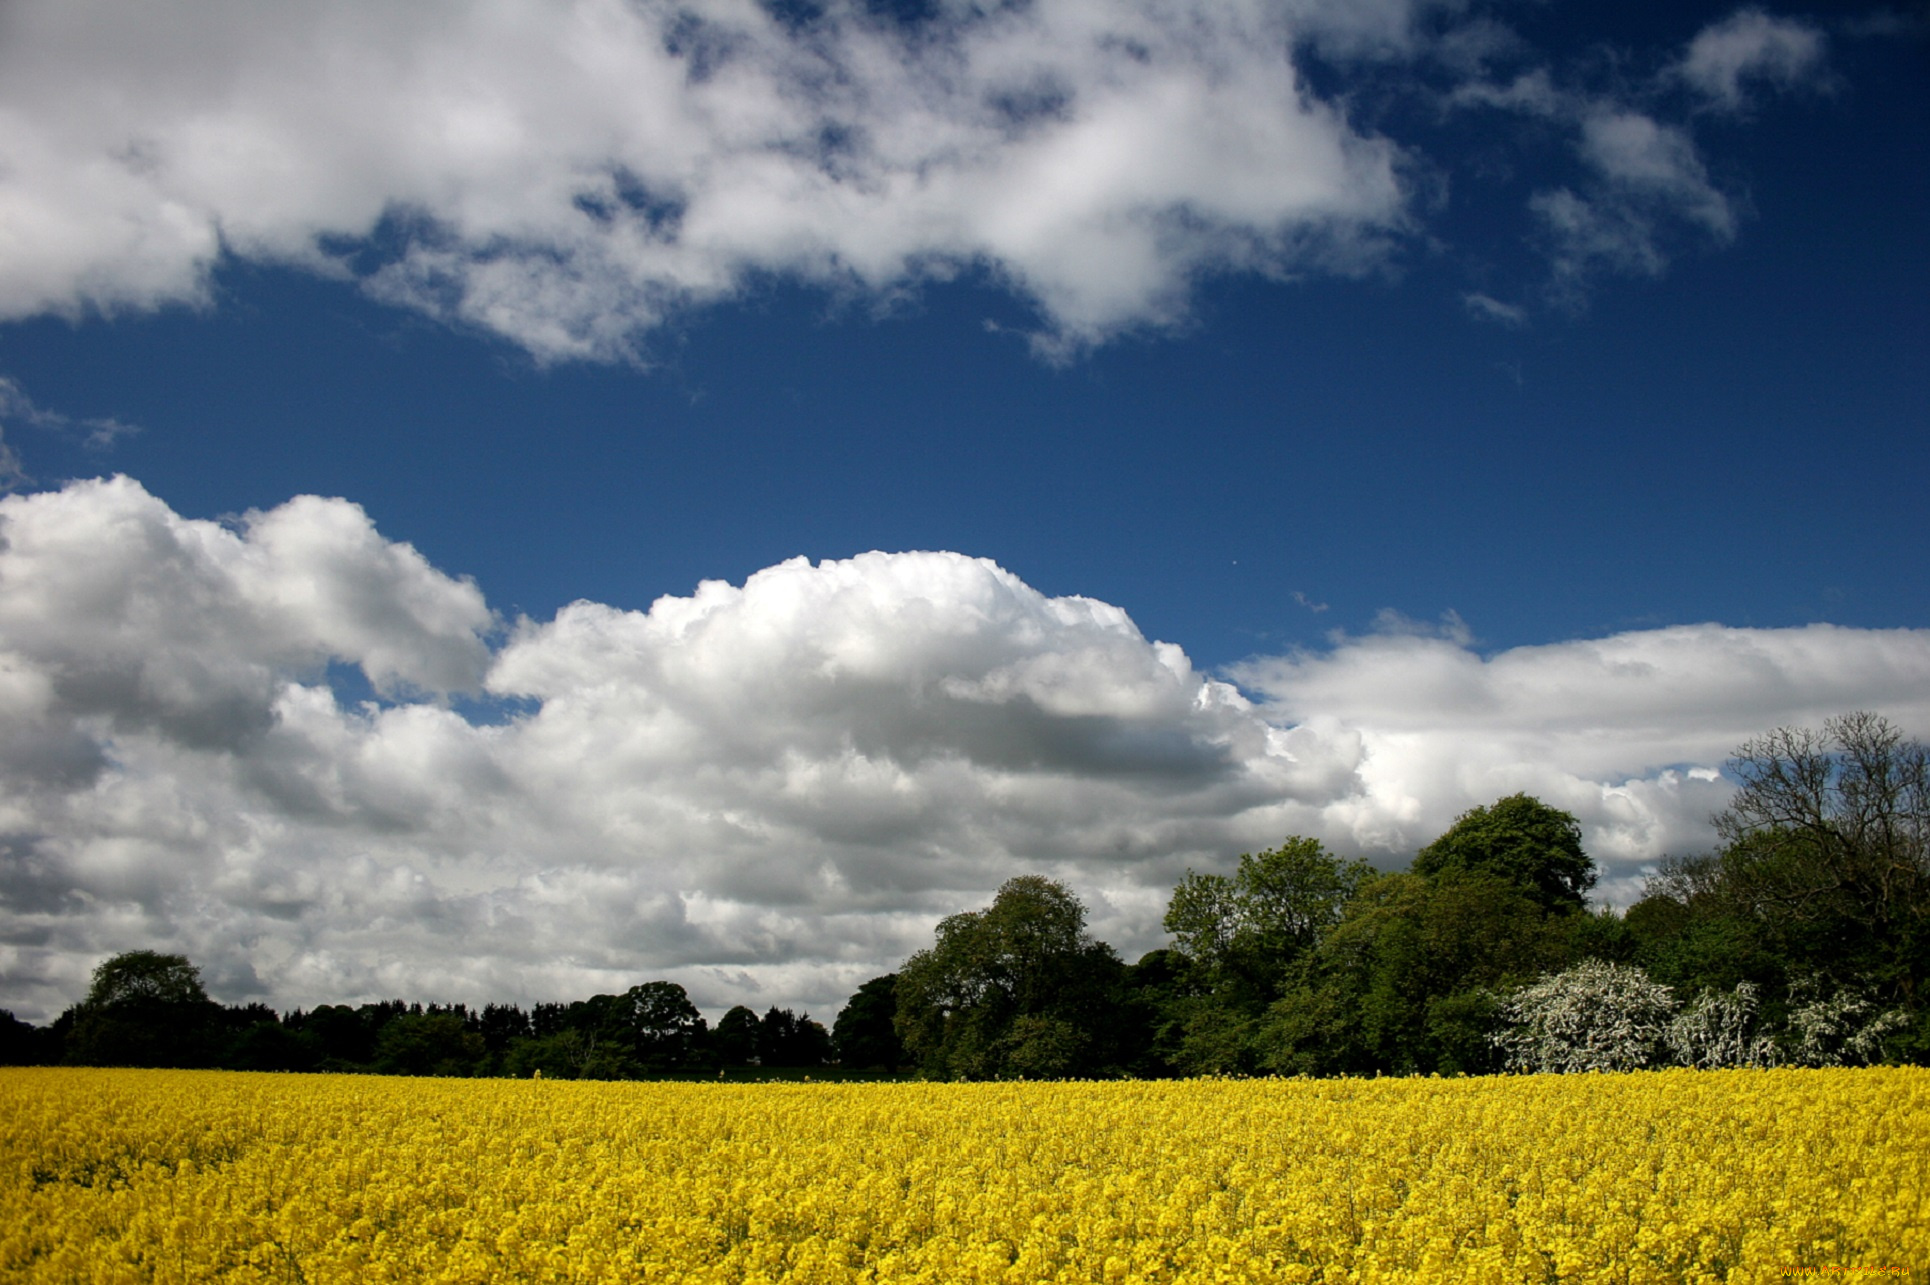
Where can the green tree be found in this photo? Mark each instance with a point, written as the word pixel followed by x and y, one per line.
pixel 568 1054
pixel 1409 980
pixel 429 1044
pixel 1241 936
pixel 1828 845
pixel 145 1009
pixel 1246 930
pixel 1026 956
pixel 865 1034
pixel 663 1028
pixel 1821 886
pixel 1520 840
pixel 786 1039
pixel 734 1042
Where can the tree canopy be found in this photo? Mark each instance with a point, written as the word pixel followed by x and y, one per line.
pixel 1018 989
pixel 1521 840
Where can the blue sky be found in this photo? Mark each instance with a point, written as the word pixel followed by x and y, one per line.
pixel 1479 396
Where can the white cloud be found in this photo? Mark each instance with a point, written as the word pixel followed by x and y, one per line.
pixel 1489 308
pixel 569 175
pixel 1748 47
pixel 1645 180
pixel 766 791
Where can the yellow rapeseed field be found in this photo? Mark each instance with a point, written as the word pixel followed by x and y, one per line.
pixel 181 1176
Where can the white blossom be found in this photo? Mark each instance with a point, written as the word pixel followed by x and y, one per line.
pixel 1718 1030
pixel 1596 1016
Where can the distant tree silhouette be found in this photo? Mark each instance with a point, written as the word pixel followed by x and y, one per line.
pixel 734 1042
pixel 145 1009
pixel 866 1034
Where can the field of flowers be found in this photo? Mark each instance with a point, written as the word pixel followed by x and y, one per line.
pixel 181 1176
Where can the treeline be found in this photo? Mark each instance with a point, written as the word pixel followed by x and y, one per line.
pixel 149 1009
pixel 1803 940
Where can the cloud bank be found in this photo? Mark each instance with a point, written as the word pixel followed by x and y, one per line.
pixel 569 176
pixel 769 791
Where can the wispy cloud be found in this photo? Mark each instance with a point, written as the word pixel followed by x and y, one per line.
pixel 768 790
pixel 1729 61
pixel 16 408
pixel 1489 308
pixel 1644 190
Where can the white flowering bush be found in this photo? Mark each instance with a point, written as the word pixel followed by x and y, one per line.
pixel 1844 1029
pixel 1719 1030
pixel 1596 1016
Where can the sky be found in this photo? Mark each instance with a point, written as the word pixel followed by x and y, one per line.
pixel 507 501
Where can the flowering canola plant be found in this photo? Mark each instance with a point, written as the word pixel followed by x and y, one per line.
pixel 185 1176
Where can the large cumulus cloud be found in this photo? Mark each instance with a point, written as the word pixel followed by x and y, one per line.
pixel 569 175
pixel 767 791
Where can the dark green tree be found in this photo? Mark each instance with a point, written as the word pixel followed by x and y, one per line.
pixel 865 1035
pixel 1522 841
pixel 343 1038
pixel 734 1042
pixel 1408 981
pixel 1821 886
pixel 429 1044
pixel 1240 937
pixel 1019 989
pixel 20 1043
pixel 146 1009
pixel 664 1029
pixel 501 1025
pixel 788 1040
pixel 568 1053
pixel 1828 843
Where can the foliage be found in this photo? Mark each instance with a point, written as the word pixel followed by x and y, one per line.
pixel 1844 1029
pixel 1402 984
pixel 1719 1029
pixel 1026 956
pixel 146 977
pixel 427 1044
pixel 1829 846
pixel 183 1177
pixel 1821 886
pixel 659 1024
pixel 567 1054
pixel 144 1009
pixel 866 1032
pixel 1521 841
pixel 1596 1016
pixel 734 1042
pixel 786 1039
pixel 1245 931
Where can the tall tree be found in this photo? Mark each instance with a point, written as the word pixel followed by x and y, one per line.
pixel 664 1027
pixel 1247 929
pixel 1521 840
pixel 1240 937
pixel 865 1034
pixel 734 1042
pixel 1826 862
pixel 788 1040
pixel 1019 989
pixel 145 1009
